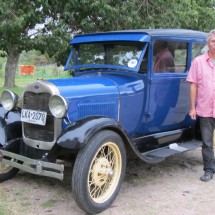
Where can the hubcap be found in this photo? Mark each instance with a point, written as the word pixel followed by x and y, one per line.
pixel 100 172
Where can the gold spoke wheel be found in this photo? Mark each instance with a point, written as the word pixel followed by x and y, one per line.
pixel 104 173
pixel 99 171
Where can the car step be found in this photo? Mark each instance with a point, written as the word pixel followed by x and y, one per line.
pixel 158 155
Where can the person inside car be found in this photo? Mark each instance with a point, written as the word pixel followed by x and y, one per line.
pixel 164 60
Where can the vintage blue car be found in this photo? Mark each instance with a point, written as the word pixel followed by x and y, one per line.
pixel 128 94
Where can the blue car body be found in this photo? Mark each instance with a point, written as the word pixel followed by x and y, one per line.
pixel 143 104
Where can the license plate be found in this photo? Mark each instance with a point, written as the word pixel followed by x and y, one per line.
pixel 33 116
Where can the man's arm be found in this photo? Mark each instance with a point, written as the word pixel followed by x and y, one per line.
pixel 193 93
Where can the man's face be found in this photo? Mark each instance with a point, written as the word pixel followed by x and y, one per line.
pixel 211 44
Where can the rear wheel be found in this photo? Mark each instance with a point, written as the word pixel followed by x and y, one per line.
pixel 99 171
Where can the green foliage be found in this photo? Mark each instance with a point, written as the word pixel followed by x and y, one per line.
pixel 17 17
pixel 106 15
pixel 34 57
pixel 189 14
pixel 48 25
pixel 19 27
pixel 62 19
pixel 99 15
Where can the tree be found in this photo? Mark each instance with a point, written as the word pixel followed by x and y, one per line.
pixel 60 20
pixel 20 30
pixel 107 15
pixel 85 16
pixel 187 14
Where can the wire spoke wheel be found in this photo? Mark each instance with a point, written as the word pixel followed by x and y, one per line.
pixel 99 171
pixel 104 172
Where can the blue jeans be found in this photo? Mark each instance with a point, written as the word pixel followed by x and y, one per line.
pixel 207 126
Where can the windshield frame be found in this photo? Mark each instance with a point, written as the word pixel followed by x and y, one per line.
pixel 85 67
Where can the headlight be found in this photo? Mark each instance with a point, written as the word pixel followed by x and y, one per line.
pixel 58 106
pixel 9 99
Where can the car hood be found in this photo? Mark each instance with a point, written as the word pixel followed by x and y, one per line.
pixel 105 95
pixel 79 87
pixel 105 84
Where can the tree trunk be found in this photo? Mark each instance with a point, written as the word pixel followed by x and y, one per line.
pixel 11 67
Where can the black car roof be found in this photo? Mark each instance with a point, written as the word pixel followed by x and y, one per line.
pixel 169 32
pixel 139 35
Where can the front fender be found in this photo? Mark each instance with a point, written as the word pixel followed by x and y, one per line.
pixel 10 126
pixel 77 135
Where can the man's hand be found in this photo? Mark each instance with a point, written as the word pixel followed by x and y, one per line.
pixel 192 114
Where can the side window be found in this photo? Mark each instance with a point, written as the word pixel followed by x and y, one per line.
pixel 169 56
pixel 198 49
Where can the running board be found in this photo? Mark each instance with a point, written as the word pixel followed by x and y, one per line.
pixel 158 155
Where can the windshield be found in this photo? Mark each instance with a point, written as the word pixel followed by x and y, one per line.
pixel 123 54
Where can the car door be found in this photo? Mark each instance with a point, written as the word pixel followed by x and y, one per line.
pixel 168 104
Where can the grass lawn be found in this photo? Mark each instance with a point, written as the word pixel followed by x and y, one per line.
pixel 20 82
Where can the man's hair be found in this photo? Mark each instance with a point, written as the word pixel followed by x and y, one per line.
pixel 212 32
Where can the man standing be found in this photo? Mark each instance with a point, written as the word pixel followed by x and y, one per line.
pixel 202 102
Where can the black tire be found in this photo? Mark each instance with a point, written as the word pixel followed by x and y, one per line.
pixel 7 172
pixel 99 171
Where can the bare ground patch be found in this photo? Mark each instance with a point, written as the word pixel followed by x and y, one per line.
pixel 171 187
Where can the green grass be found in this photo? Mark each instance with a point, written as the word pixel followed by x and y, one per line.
pixel 20 82
pixel 17 90
pixel 2 211
pixel 50 203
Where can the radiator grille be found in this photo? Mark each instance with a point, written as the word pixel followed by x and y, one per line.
pixel 39 102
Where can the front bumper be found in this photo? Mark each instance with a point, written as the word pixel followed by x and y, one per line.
pixel 36 167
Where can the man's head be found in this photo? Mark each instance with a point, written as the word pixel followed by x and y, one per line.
pixel 160 45
pixel 211 41
pixel 210 34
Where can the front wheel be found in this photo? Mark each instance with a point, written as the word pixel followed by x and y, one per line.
pixel 7 172
pixel 99 172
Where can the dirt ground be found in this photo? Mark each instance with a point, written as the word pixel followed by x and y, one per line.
pixel 171 187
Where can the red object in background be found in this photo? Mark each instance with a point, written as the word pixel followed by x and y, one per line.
pixel 27 69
